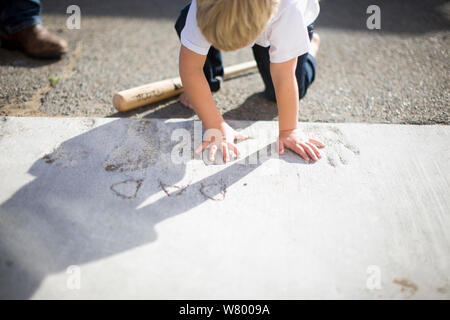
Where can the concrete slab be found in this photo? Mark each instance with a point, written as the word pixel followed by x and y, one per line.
pixel 97 208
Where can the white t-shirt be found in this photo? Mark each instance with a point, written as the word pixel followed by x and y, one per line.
pixel 286 32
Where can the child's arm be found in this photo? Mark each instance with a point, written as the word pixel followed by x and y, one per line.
pixel 286 91
pixel 199 94
pixel 197 88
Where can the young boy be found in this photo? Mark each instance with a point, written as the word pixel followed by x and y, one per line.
pixel 280 34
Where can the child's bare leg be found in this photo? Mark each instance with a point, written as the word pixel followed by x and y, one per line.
pixel 315 43
pixel 185 100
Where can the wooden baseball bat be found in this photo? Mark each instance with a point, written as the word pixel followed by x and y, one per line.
pixel 156 91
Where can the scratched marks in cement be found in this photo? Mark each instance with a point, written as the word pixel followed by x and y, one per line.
pixel 138 149
pixel 339 150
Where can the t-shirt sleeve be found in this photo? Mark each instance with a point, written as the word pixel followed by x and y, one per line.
pixel 288 36
pixel 191 36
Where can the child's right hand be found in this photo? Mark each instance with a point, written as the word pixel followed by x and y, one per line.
pixel 222 138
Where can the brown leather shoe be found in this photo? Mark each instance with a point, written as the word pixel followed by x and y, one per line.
pixel 36 42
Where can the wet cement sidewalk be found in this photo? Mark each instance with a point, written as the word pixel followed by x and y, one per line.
pixel 117 208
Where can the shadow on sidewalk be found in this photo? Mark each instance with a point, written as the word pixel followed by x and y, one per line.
pixel 85 201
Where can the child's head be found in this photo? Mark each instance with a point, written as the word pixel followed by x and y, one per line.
pixel 232 24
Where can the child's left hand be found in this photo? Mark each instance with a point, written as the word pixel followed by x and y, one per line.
pixel 306 148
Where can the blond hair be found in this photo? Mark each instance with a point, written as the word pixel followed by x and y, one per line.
pixel 232 24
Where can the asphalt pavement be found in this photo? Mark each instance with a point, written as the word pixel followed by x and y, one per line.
pixel 399 74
